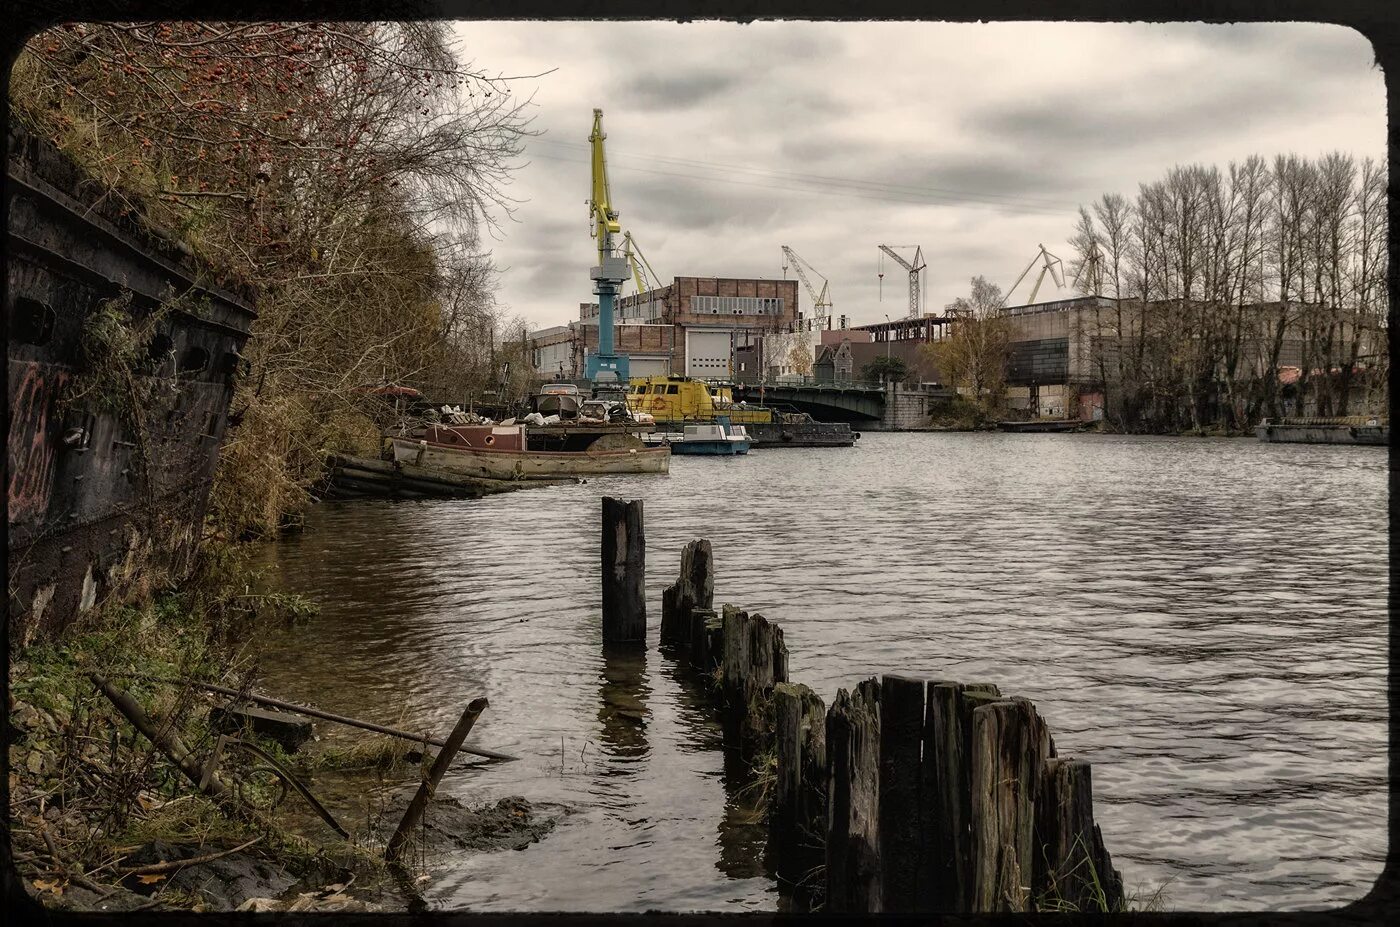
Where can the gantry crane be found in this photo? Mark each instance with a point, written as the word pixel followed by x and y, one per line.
pixel 646 278
pixel 915 268
pixel 1052 265
pixel 821 299
pixel 607 370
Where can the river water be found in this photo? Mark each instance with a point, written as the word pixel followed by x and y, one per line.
pixel 1202 619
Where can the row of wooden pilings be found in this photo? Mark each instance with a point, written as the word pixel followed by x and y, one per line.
pixel 905 795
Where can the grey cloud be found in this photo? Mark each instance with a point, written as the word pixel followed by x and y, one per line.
pixel 1067 122
pixel 657 91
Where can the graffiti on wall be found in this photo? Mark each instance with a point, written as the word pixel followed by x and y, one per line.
pixel 31 448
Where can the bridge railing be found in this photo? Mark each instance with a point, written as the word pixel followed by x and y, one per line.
pixel 808 380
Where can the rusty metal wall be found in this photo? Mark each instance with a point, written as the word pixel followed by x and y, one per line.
pixel 94 506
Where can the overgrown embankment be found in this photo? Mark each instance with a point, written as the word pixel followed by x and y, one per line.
pixel 157 806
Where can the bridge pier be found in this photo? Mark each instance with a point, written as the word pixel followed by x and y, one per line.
pixel 904 408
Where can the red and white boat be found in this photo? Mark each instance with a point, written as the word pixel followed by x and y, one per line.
pixel 500 452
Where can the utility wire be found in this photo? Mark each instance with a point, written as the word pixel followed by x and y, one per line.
pixel 929 198
pixel 818 178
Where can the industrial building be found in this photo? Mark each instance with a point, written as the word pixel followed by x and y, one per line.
pixel 691 327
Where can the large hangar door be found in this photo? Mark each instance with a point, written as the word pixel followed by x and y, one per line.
pixel 648 366
pixel 707 353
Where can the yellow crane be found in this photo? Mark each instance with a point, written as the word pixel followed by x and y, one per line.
pixel 607 370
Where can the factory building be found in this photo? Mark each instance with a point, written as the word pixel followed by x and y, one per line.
pixel 691 327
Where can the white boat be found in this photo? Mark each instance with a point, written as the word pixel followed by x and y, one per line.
pixel 719 439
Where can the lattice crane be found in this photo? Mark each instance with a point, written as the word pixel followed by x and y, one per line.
pixel 821 299
pixel 1052 265
pixel 915 268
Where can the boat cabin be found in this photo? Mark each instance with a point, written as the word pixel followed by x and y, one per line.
pixel 480 437
pixel 685 399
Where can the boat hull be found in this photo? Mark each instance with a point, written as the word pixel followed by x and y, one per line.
pixel 1324 433
pixel 711 448
pixel 1042 426
pixel 530 465
pixel 803 434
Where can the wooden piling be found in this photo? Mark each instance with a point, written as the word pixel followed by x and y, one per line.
pixel 624 573
pixel 694 589
pixel 1074 871
pixel 901 734
pixel 1010 746
pixel 797 819
pixel 945 777
pixel 853 764
pixel 752 659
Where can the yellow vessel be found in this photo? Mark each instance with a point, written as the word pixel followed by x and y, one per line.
pixel 673 400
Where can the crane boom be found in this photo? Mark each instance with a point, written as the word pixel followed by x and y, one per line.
pixel 605 224
pixel 821 300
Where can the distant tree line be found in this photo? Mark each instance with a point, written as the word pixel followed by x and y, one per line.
pixel 1222 278
pixel 346 170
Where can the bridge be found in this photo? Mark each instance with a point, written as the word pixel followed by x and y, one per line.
pixel 825 402
pixel 858 402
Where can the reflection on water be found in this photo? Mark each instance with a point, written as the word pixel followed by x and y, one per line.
pixel 623 708
pixel 1203 620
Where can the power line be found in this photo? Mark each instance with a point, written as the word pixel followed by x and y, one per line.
pixel 892 197
pixel 824 179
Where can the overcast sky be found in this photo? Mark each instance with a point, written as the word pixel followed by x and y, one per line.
pixel 977 142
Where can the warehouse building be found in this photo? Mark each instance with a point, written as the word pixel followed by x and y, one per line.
pixel 692 327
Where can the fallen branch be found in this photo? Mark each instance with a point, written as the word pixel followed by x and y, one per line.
pixel 173 864
pixel 327 716
pixel 167 741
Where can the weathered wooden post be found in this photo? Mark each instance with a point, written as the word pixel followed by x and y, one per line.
pixel 693 590
pixel 1075 871
pixel 946 776
pixel 797 822
pixel 852 833
pixel 624 573
pixel 1010 746
pixel 754 659
pixel 901 732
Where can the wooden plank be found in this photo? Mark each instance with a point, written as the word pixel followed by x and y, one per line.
pixel 901 731
pixel 624 573
pixel 946 776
